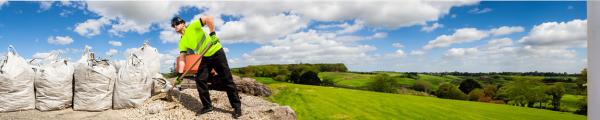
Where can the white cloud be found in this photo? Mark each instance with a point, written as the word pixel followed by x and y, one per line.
pixel 45 5
pixel 127 26
pixel 91 27
pixel 133 16
pixel 65 13
pixel 115 43
pixel 460 52
pixel 111 52
pixel 268 20
pixel 308 47
pixel 502 42
pixel 168 35
pixel 398 54
pixel 433 26
pixel 465 35
pixel 347 28
pixel 397 45
pixel 417 52
pixel 65 53
pixel 2 3
pixel 60 40
pixel 41 55
pixel 572 34
pixel 260 29
pixel 505 30
pixel 462 35
pixel 480 11
pixel 385 14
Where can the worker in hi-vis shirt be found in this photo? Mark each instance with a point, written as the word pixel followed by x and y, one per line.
pixel 213 57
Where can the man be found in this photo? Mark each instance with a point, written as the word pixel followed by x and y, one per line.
pixel 194 38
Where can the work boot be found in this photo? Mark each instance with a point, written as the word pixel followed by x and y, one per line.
pixel 237 113
pixel 206 109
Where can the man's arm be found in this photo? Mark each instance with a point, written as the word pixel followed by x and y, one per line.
pixel 181 62
pixel 208 21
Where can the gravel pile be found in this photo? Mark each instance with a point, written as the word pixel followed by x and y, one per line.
pixel 186 107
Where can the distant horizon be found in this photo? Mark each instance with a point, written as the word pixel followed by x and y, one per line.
pixel 575 73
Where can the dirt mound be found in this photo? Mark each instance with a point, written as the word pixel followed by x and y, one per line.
pixel 253 107
pixel 244 85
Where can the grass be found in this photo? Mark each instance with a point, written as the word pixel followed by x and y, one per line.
pixel 360 80
pixel 317 102
pixel 570 102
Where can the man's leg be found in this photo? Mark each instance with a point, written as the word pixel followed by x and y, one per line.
pixel 202 86
pixel 222 68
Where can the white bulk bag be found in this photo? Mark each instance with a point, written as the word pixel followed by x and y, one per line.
pixel 150 57
pixel 93 84
pixel 133 86
pixel 16 83
pixel 54 85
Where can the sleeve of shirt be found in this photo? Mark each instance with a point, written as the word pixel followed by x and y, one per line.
pixel 182 47
pixel 201 23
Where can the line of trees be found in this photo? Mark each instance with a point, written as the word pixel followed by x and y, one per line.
pixel 293 73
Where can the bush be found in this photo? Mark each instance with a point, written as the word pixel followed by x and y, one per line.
pixel 310 78
pixel 475 94
pixel 490 90
pixel 485 99
pixel 282 78
pixel 383 83
pixel 450 91
pixel 423 86
pixel 328 81
pixel 582 106
pixel 469 84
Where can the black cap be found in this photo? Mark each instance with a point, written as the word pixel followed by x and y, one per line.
pixel 176 21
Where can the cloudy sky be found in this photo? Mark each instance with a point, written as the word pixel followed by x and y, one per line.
pixel 408 35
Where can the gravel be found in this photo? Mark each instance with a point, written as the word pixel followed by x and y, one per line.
pixel 186 107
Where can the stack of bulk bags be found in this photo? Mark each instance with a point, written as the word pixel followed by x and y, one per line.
pixel 134 82
pixel 53 84
pixel 132 87
pixel 16 83
pixel 93 84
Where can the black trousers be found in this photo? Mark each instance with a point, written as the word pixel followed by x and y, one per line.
pixel 218 62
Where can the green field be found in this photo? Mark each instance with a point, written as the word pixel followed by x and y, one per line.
pixel 360 80
pixel 316 102
pixel 570 102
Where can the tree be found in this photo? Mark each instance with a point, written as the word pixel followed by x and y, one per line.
pixel 582 81
pixel 475 94
pixel 469 84
pixel 449 91
pixel 556 91
pixel 490 90
pixel 422 85
pixel 383 83
pixel 524 92
pixel 310 78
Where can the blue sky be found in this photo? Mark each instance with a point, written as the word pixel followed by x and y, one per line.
pixel 471 36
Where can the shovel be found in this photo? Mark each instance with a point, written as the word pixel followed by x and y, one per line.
pixel 185 72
